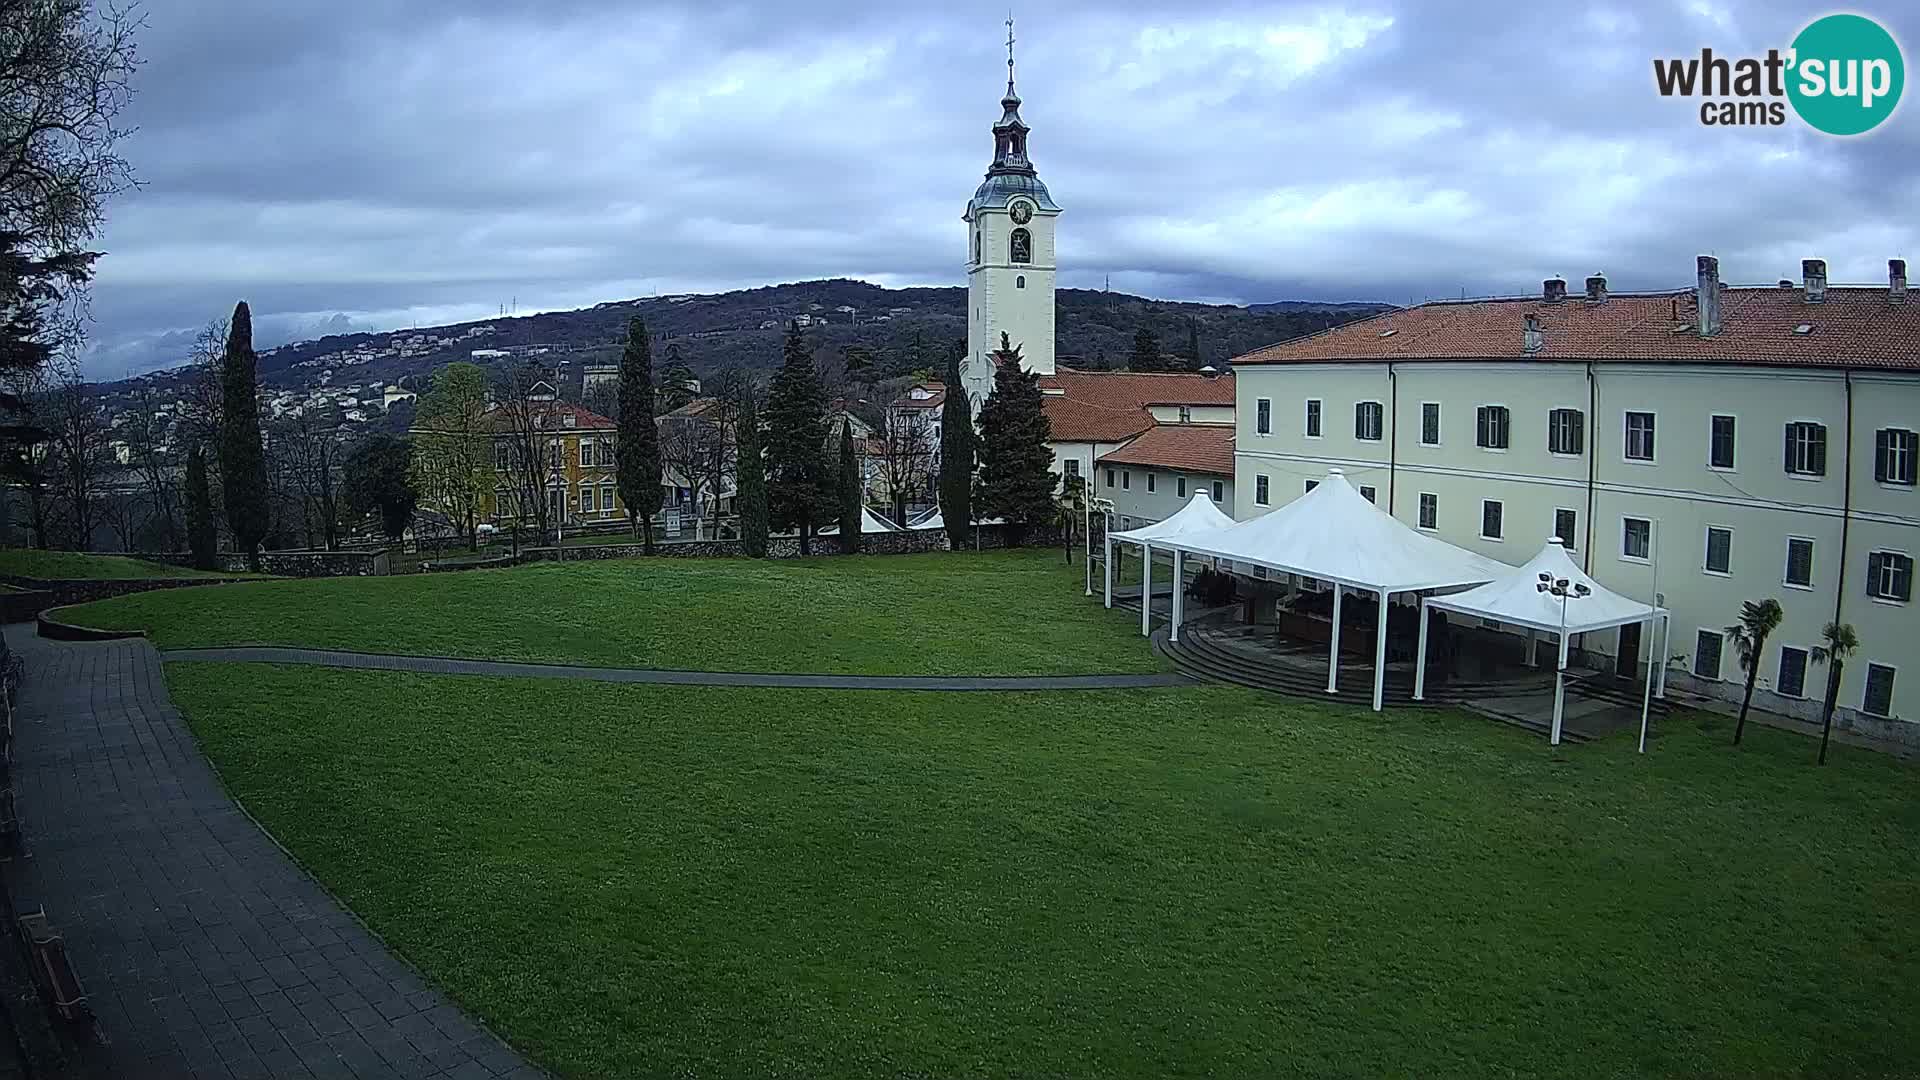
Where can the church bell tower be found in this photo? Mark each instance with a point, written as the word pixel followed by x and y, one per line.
pixel 1010 265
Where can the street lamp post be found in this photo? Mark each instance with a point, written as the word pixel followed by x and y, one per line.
pixel 1104 507
pixel 1566 591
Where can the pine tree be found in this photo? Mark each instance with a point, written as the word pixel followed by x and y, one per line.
pixel 751 473
pixel 799 480
pixel 243 467
pixel 852 500
pixel 637 453
pixel 1146 352
pixel 956 456
pixel 202 535
pixel 1016 465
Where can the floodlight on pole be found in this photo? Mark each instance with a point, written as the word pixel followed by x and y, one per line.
pixel 1565 590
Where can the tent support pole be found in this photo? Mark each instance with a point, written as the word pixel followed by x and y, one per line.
pixel 1333 649
pixel 1106 566
pixel 1559 690
pixel 1420 657
pixel 1532 660
pixel 1380 654
pixel 1173 631
pixel 1146 590
pixel 1665 628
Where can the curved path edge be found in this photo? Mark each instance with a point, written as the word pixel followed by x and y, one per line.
pixel 439 665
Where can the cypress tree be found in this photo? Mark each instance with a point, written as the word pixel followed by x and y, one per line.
pixel 243 466
pixel 1016 465
pixel 1146 352
pixel 852 501
pixel 202 536
pixel 752 482
pixel 1193 344
pixel 637 454
pixel 799 480
pixel 956 457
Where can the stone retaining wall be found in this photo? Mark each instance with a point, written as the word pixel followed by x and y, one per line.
pixel 300 564
pixel 45 593
pixel 909 542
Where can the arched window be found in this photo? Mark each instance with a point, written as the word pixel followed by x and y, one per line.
pixel 976 245
pixel 1022 246
pixel 1020 282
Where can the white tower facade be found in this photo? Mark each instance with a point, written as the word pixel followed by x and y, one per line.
pixel 1010 260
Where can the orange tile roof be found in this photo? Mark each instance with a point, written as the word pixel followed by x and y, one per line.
pixel 1111 406
pixel 1855 326
pixel 907 401
pixel 1204 448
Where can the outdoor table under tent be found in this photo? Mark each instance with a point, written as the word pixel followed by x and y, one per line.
pixel 1198 516
pixel 1551 594
pixel 1334 534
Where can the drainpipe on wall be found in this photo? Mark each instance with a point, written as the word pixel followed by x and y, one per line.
pixel 1593 458
pixel 1846 502
pixel 1393 431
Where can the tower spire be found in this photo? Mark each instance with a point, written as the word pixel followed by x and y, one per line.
pixel 1010 92
pixel 1010 134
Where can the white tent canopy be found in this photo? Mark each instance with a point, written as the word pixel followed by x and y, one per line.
pixel 1198 516
pixel 870 522
pixel 1335 534
pixel 1553 594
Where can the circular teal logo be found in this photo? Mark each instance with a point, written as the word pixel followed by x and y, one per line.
pixel 1847 74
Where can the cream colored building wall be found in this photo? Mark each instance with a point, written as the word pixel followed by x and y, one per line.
pixel 1756 499
pixel 1196 414
pixel 997 301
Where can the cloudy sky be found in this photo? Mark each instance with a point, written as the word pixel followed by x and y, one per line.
pixel 378 164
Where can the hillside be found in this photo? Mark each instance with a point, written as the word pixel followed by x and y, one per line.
pixel 906 329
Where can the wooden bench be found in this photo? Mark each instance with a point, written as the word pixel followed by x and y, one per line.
pixel 50 967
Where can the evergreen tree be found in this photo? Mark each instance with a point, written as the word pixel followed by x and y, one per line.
pixel 676 382
pixel 1016 465
pixel 852 500
pixel 1146 352
pixel 243 466
pixel 956 456
pixel 751 475
pixel 1193 344
pixel 799 480
pixel 378 478
pixel 203 536
pixel 637 453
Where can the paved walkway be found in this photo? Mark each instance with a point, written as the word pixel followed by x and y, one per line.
pixel 205 951
pixel 442 666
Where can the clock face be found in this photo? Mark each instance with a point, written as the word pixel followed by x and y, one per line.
pixel 1022 213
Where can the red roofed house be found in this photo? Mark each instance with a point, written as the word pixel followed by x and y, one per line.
pixel 1147 439
pixel 1754 441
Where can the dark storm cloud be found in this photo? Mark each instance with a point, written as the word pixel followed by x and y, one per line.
pixel 430 161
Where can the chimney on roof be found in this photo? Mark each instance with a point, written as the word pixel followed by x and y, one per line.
pixel 1786 283
pixel 1597 289
pixel 1706 294
pixel 1897 280
pixel 1531 338
pixel 1814 271
pixel 1554 289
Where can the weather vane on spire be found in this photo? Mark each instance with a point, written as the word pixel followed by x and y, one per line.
pixel 1009 51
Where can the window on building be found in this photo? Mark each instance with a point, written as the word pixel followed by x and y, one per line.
pixel 1799 562
pixel 1313 418
pixel 1263 417
pixel 1894 453
pixel 976 245
pixel 1186 414
pixel 1367 417
pixel 1073 466
pixel 1636 538
pixel 606 499
pixel 1260 491
pixel 1020 282
pixel 1707 645
pixel 1219 491
pixel 1793 672
pixel 1430 423
pixel 1369 493
pixel 1022 246
pixel 1429 510
pixel 1639 439
pixel 556 453
pixel 586 500
pixel 1806 449
pixel 1878 700
pixel 1720 442
pixel 1126 479
pixel 1566 431
pixel 1149 481
pixel 1889 576
pixel 1566 526
pixel 1180 487
pixel 1719 549
pixel 586 453
pixel 1109 479
pixel 500 455
pixel 1491 427
pixel 1492 513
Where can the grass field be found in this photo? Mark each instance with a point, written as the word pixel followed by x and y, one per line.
pixel 1014 613
pixel 58 565
pixel 716 882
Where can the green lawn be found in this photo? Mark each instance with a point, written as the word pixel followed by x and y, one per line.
pixel 56 565
pixel 993 613
pixel 629 880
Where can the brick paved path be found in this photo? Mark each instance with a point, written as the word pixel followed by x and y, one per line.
pixel 206 952
pixel 441 666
